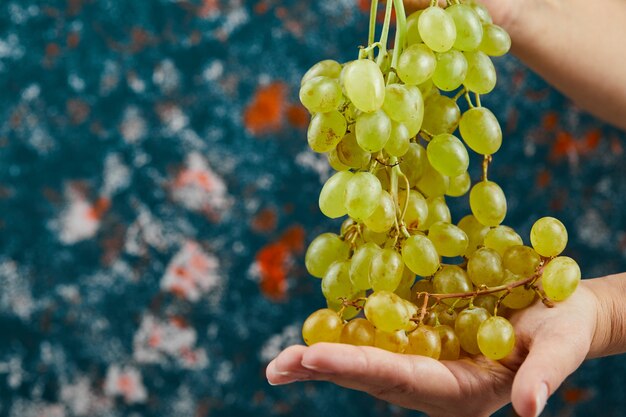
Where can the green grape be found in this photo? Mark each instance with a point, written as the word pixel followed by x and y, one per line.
pixel 481 74
pixel 350 113
pixel 322 326
pixel 321 94
pixel 351 154
pixel 323 251
pixel 448 239
pixel 452 279
pixel 383 177
pixel 399 140
pixel 448 155
pixel 496 42
pixel 519 297
pixel 404 287
pixel 396 342
pixel 481 131
pixel 450 345
pixel 469 29
pixel 386 270
pixel 420 256
pixel 326 130
pixel 358 332
pixel 413 313
pixel 421 286
pixel 347 312
pixel 438 211
pixel 488 203
pixel 416 211
pixel 441 315
pixel 412 31
pixel 521 260
pixel 334 162
pixel 331 199
pixel 413 163
pixel 364 84
pixel 416 64
pixel 402 102
pixel 459 185
pixel 450 70
pixel 466 328
pixel 436 27
pixel 414 123
pixel 370 236
pixel 441 115
pixel 386 311
pixel 427 88
pixel 482 12
pixel 433 183
pixel 560 278
pixel 484 267
pixel 336 282
pixel 360 265
pixel 501 238
pixel 373 130
pixel 475 232
pixel 326 68
pixel 548 237
pixel 362 195
pixel 496 338
pixel 488 302
pixel 384 216
pixel 424 341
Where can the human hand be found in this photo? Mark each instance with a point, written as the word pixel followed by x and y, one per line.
pixel 551 344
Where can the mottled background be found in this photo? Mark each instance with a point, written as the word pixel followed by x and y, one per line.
pixel 156 194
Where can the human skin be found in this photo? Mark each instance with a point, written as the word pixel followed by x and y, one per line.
pixel 551 344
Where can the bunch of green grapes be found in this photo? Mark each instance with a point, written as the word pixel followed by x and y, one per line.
pixel 391 126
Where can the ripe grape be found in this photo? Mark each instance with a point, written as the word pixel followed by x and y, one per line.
pixel 322 326
pixel 396 342
pixel 384 216
pixel 448 155
pixel 488 302
pixel 386 311
pixel 416 64
pixel 422 285
pixel 321 94
pixel 452 279
pixel 450 70
pixel 496 338
pixel 496 41
pixel 358 332
pixel 386 270
pixel 459 185
pixel 433 183
pixel 327 68
pixel 373 130
pixel 402 102
pixel 450 345
pixel 482 12
pixel 466 327
pixel 484 267
pixel 481 74
pixel 323 251
pixel 481 131
pixel 334 162
pixel 336 282
pixel 331 199
pixel 412 30
pixel 449 240
pixel 436 27
pixel 560 278
pixel 424 341
pixel 469 29
pixel 438 211
pixel 521 260
pixel 488 203
pixel 399 140
pixel 501 238
pixel 414 163
pixel 519 297
pixel 361 264
pixel 475 232
pixel 441 115
pixel 362 195
pixel 417 209
pixel 326 130
pixel 364 84
pixel 420 256
pixel 351 154
pixel 441 315
pixel 548 237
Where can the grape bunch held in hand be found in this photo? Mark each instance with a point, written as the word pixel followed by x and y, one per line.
pixel 392 126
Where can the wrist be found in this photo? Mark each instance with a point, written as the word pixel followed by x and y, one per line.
pixel 610 333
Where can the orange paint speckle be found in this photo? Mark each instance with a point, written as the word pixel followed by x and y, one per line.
pixel 264 221
pixel 297 116
pixel 99 208
pixel 265 113
pixel 261 7
pixel 294 238
pixel 564 144
pixel 543 179
pixel 208 8
pixel 272 261
pixel 550 121
pixel 364 5
pixel 576 395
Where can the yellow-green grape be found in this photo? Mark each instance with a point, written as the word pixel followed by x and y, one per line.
pixel 481 131
pixel 326 68
pixel 373 130
pixel 413 164
pixel 488 203
pixel 469 29
pixel 450 71
pixel 481 74
pixel 362 195
pixel 384 177
pixel 364 84
pixel 351 154
pixel 519 297
pixel 450 345
pixel 496 41
pixel 437 29
pixel 416 64
pixel 334 162
pixel 386 311
pixel 347 312
pixel 358 332
pixel 501 238
pixel 371 236
pixel 424 341
pixel 496 338
pixel 482 12
pixel 331 199
pixel 548 237
pixel 384 216
pixel 452 279
pixel 433 183
pixel 396 342
pixel 475 232
pixel 448 155
pixel 404 287
pixel 414 123
pixel 421 286
pixel 350 112
pixel 321 94
pixel 449 240
pixel 441 315
pixel 336 282
pixel 361 264
pixel 488 302
pixel 326 130
pixel 441 115
pixel 323 325
pixel 459 185
pixel 402 102
pixel 484 267
pixel 399 140
pixel 416 211
pixel 413 313
pixel 521 260
pixel 466 328
pixel 420 256
pixel 427 88
pixel 323 251
pixel 438 211
pixel 412 31
pixel 560 278
pixel 386 270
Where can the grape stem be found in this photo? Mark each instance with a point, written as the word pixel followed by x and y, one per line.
pixel 385 32
pixel 486 162
pixel 372 32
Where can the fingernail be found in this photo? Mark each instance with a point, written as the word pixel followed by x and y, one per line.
pixel 289 377
pixel 315 368
pixel 542 398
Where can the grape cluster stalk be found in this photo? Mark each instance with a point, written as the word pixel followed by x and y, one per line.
pixel 400 275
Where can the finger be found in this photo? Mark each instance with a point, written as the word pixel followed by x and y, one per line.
pixel 287 368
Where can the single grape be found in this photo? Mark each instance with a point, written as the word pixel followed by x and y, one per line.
pixel 326 68
pixel 417 209
pixel 362 195
pixel 336 282
pixel 452 279
pixel 560 278
pixel 548 237
pixel 450 345
pixel 396 342
pixel 386 270
pixel 413 313
pixel 433 183
pixel 322 326
pixel 496 338
pixel 422 286
pixel 414 123
pixel 521 260
pixel 487 301
pixel 399 140
pixel 469 29
pixel 386 311
pixel 358 332
pixel 484 267
pixel 438 211
pixel 448 155
pixel 370 236
pixel 364 84
pixel 331 199
pixel 402 102
pixel 441 115
pixel 334 162
pixel 323 251
pixel 373 130
pixel 481 131
pixel 361 264
pixel 416 64
pixel 501 238
pixel 466 328
pixel 436 27
pixel 482 12
pixel 488 203
pixel 412 30
pixel 441 315
pixel 326 130
pixel 495 42
pixel 481 74
pixel 321 94
pixel 404 287
pixel 424 341
pixel 449 240
pixel 450 71
pixel 384 216
pixel 475 232
pixel 413 163
pixel 519 297
pixel 459 185
pixel 420 256
pixel 351 154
